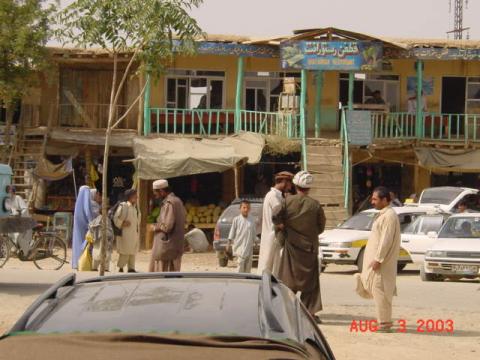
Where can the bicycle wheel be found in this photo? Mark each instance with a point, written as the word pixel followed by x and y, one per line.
pixel 4 250
pixel 50 253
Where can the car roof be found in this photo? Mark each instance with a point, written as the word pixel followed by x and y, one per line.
pixel 466 214
pixel 252 200
pixel 193 303
pixel 451 188
pixel 409 210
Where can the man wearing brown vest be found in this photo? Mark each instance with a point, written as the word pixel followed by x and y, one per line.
pixel 169 230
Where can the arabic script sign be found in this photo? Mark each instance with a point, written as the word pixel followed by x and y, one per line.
pixel 246 50
pixel 446 54
pixel 332 55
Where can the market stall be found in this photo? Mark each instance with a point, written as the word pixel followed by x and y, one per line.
pixel 164 158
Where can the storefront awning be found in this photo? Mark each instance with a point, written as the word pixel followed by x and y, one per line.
pixel 449 160
pixel 120 138
pixel 167 158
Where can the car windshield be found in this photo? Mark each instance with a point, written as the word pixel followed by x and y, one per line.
pixel 424 224
pixel 461 227
pixel 440 196
pixel 362 221
pixel 234 210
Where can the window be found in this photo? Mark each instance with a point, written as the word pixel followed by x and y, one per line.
pixel 366 84
pixel 262 89
pixel 190 89
pixel 362 221
pixel 440 196
pixel 424 224
pixel 473 95
pixel 461 227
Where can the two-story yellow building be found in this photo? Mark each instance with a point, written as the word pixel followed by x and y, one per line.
pixel 358 111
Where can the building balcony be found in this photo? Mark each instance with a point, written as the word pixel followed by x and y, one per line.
pixel 221 122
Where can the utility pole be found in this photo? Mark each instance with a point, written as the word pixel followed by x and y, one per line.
pixel 458 28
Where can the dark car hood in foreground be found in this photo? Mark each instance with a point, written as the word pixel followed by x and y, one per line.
pixel 151 346
pixel 182 305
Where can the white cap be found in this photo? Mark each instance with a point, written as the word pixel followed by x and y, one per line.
pixel 160 184
pixel 303 179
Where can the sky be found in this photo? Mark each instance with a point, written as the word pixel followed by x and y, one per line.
pixel 393 18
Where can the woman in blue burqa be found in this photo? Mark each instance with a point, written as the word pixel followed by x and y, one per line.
pixel 87 208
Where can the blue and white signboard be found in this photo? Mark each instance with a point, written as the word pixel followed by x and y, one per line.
pixel 332 55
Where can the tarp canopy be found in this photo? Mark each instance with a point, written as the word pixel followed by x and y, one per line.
pixel 167 158
pixel 46 170
pixel 449 160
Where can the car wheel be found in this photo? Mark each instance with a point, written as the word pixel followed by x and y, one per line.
pixel 360 260
pixel 429 277
pixel 401 266
pixel 323 267
pixel 223 261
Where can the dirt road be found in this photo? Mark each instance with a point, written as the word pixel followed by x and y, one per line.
pixel 20 283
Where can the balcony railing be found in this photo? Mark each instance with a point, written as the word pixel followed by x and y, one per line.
pixel 216 122
pixel 437 127
pixel 92 115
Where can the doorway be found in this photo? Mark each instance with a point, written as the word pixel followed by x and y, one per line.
pixel 453 95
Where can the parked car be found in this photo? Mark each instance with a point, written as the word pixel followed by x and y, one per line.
pixel 447 197
pixel 415 239
pixel 136 316
pixel 222 229
pixel 345 245
pixel 456 252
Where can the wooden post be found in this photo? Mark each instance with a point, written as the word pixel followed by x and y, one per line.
pixel 351 84
pixel 303 120
pixel 238 94
pixel 141 81
pixel 237 181
pixel 419 115
pixel 146 108
pixel 318 101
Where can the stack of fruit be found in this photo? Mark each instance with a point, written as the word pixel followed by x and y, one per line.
pixel 202 214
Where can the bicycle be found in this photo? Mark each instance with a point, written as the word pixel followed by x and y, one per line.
pixel 47 250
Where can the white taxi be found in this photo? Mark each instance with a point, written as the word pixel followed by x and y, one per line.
pixel 345 244
pixel 456 252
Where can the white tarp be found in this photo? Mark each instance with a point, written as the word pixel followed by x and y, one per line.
pixel 166 158
pixel 449 160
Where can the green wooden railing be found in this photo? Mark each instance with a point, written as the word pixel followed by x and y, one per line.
pixel 434 127
pixel 212 122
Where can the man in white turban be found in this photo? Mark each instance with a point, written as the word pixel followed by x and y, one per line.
pixel 302 220
pixel 169 230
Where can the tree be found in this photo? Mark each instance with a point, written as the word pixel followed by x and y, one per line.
pixel 145 30
pixel 24 32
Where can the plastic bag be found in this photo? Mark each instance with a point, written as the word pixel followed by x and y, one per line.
pixel 85 260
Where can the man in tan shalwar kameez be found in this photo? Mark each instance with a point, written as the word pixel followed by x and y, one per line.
pixel 301 221
pixel 378 277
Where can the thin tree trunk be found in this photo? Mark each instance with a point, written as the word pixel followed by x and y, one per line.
pixel 9 110
pixel 106 154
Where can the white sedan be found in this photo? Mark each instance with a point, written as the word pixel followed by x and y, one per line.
pixel 416 239
pixel 456 252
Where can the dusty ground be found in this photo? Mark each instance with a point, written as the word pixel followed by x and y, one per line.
pixel 20 283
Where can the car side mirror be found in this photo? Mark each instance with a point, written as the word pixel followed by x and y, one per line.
pixel 432 234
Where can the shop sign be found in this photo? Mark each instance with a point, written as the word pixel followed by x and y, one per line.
pixel 217 48
pixel 332 55
pixel 446 54
pixel 359 127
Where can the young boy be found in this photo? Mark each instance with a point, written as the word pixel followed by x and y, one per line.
pixel 243 234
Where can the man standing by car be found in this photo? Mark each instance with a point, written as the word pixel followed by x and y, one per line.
pixel 168 243
pixel 302 220
pixel 269 257
pixel 378 277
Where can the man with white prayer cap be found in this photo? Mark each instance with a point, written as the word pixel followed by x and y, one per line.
pixel 302 220
pixel 169 230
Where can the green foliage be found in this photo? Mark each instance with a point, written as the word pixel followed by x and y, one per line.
pixel 24 32
pixel 143 27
